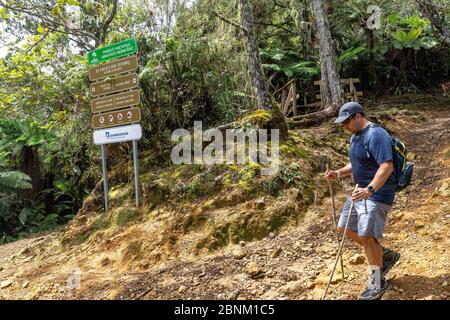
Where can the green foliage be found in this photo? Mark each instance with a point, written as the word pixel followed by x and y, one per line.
pixel 286 61
pixel 13 180
pixel 62 157
pixel 290 176
pixel 349 55
pixel 410 32
pixel 16 134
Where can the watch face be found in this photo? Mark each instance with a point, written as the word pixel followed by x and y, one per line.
pixel 370 188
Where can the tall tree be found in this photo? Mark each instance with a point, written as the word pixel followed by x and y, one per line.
pixel 436 14
pixel 87 27
pixel 331 88
pixel 259 83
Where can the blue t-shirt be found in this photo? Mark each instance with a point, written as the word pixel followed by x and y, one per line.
pixel 365 162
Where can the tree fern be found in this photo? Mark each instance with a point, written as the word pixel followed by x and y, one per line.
pixel 11 181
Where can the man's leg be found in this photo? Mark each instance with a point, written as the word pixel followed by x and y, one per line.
pixel 370 228
pixel 352 223
pixel 351 234
pixel 373 251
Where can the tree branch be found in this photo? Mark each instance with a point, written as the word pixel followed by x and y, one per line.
pixel 36 43
pixel 237 25
pixel 107 22
pixel 276 26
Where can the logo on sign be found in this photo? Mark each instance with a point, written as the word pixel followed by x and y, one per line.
pixel 111 118
pixel 115 135
pixel 102 120
pixel 120 117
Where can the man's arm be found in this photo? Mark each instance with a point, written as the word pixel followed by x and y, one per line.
pixel 381 176
pixel 343 172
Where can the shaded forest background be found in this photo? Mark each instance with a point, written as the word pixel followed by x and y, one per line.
pixel 193 65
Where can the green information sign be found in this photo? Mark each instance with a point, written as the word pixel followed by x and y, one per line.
pixel 113 51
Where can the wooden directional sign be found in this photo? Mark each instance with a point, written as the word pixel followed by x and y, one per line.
pixel 115 101
pixel 114 51
pixel 114 85
pixel 113 67
pixel 116 118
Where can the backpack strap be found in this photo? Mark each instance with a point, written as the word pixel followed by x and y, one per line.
pixel 366 146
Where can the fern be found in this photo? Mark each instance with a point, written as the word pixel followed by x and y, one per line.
pixel 11 181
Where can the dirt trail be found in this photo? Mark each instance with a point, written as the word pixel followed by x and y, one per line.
pixel 293 264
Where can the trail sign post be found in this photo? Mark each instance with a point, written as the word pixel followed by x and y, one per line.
pixel 113 68
pixel 116 101
pixel 114 96
pixel 128 81
pixel 114 51
pixel 115 118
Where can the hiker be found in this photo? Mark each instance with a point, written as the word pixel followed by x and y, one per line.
pixel 371 164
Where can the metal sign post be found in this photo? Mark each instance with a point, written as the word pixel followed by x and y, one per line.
pixel 113 102
pixel 115 135
pixel 105 175
pixel 136 172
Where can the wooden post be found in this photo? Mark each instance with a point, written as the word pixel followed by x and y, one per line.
pixel 294 98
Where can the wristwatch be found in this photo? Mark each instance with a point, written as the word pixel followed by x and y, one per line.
pixel 371 189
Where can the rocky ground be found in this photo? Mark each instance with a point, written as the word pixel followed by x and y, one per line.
pixel 292 263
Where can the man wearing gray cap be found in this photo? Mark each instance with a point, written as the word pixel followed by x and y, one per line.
pixel 371 164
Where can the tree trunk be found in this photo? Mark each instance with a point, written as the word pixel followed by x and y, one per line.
pixel 307 44
pixel 330 79
pixel 103 32
pixel 259 84
pixel 31 165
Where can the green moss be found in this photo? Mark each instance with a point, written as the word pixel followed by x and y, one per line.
pixel 125 215
pixel 292 175
pixel 77 239
pixel 247 175
pixel 281 216
pixel 216 239
pixel 119 192
pixel 100 223
pixel 258 118
pixel 220 238
pixel 276 222
pixel 293 151
pixel 227 180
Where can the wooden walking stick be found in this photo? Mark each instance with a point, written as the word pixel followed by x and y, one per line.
pixel 340 248
pixel 333 218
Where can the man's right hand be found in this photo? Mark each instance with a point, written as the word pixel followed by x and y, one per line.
pixel 330 174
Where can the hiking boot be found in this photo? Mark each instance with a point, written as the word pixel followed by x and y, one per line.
pixel 373 292
pixel 390 258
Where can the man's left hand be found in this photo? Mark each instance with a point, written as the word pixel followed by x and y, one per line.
pixel 360 194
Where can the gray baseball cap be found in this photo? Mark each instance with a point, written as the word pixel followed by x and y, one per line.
pixel 347 110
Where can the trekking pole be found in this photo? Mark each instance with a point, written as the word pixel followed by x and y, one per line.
pixel 340 248
pixel 333 218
